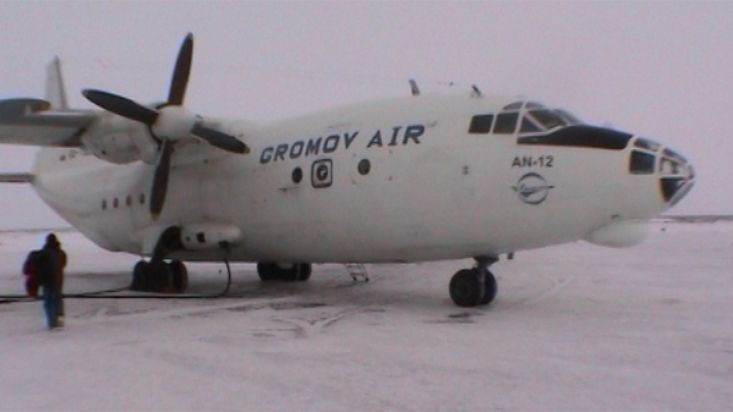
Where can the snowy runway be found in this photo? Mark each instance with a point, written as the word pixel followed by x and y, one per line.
pixel 574 327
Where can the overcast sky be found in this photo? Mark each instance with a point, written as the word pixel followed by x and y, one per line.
pixel 661 69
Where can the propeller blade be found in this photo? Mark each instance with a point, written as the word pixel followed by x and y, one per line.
pixel 160 179
pixel 181 71
pixel 121 106
pixel 219 139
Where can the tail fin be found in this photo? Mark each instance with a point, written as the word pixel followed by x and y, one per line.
pixel 55 91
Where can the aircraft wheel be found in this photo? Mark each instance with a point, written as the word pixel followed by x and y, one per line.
pixel 300 272
pixel 268 272
pixel 180 276
pixel 465 288
pixel 304 271
pixel 159 278
pixel 490 287
pixel 139 276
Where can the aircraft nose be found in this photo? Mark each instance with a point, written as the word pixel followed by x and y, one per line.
pixel 677 176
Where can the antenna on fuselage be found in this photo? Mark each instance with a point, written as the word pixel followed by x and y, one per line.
pixel 414 88
pixel 475 91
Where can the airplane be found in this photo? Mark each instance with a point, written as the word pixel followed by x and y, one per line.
pixel 406 179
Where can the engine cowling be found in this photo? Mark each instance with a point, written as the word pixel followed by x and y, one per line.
pixel 118 140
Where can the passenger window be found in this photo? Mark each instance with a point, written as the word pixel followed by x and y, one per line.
pixel 506 123
pixel 528 126
pixel 481 123
pixel 641 163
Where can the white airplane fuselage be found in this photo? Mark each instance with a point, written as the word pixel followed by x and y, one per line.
pixel 432 190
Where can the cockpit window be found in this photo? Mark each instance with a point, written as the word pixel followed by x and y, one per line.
pixel 481 123
pixel 672 163
pixel 534 105
pixel 669 167
pixel 548 118
pixel 580 136
pixel 506 123
pixel 646 144
pixel 674 155
pixel 568 117
pixel 514 106
pixel 641 163
pixel 529 126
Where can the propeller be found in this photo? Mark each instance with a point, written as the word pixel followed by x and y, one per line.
pixel 168 122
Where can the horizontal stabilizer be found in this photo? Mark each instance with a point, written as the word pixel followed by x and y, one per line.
pixel 28 121
pixel 16 177
pixel 14 108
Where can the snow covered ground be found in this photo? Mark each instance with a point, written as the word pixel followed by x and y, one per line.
pixel 575 327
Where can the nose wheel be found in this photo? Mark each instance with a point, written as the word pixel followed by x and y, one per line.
pixel 474 287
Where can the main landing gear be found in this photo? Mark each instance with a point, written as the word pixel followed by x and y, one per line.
pixel 273 272
pixel 474 287
pixel 160 277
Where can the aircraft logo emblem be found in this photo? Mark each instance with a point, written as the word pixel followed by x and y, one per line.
pixel 532 188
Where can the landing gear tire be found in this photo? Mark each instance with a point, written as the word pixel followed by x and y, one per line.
pixel 180 276
pixel 490 288
pixel 477 286
pixel 139 276
pixel 159 277
pixel 465 288
pixel 270 272
pixel 305 272
pixel 300 272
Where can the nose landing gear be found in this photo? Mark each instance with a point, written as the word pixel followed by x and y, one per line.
pixel 476 286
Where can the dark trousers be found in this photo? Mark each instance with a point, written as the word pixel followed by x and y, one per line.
pixel 53 306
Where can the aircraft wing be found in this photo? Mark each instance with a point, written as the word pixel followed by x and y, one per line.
pixel 29 122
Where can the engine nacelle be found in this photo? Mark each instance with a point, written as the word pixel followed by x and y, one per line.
pixel 209 236
pixel 119 140
pixel 619 234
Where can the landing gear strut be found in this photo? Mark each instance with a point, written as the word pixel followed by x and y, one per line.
pixel 476 286
pixel 272 272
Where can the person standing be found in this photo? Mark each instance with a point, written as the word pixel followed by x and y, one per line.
pixel 49 264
